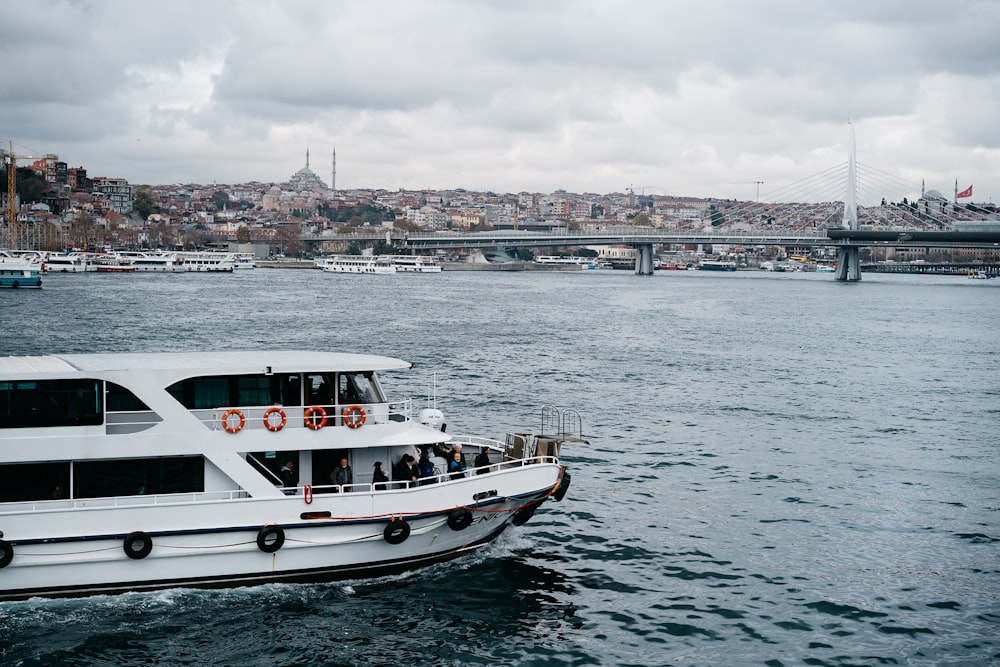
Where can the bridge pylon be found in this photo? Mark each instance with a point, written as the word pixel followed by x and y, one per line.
pixel 848 263
pixel 644 259
pixel 848 257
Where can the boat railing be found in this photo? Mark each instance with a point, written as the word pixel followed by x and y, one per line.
pixel 123 501
pixel 561 422
pixel 441 478
pixel 477 441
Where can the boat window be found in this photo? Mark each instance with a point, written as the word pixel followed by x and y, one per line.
pixel 137 477
pixel 218 391
pixel 358 388
pixel 120 399
pixel 34 481
pixel 40 403
pixel 320 388
pixel 253 390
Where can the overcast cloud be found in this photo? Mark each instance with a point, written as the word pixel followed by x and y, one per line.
pixel 687 98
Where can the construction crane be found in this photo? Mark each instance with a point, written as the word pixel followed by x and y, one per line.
pixel 10 160
pixel 631 193
pixel 757 183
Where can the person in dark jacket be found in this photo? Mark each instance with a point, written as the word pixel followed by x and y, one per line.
pixel 287 475
pixel 426 468
pixel 379 478
pixel 405 470
pixel 342 475
pixel 483 460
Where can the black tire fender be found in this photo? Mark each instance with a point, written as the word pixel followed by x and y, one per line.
pixel 459 518
pixel 396 531
pixel 270 538
pixel 6 553
pixel 137 545
pixel 563 487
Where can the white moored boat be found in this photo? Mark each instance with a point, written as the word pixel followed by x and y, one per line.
pixel 367 264
pixel 415 264
pixel 214 262
pixel 74 262
pixel 149 471
pixel 156 262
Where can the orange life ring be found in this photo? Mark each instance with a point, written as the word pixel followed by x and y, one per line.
pixel 225 420
pixel 267 419
pixel 307 494
pixel 315 417
pixel 354 416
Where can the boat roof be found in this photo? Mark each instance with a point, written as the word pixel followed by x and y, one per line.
pixel 229 362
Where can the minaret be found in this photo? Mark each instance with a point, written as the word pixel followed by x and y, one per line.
pixel 333 179
pixel 307 158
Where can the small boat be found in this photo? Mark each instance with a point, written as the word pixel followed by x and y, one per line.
pixel 363 264
pixel 146 471
pixel 114 264
pixel 415 264
pixel 245 260
pixel 980 274
pixel 18 272
pixel 717 265
pixel 825 268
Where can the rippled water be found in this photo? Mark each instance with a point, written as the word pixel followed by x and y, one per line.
pixel 783 470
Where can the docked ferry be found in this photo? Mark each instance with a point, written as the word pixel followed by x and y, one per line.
pixel 140 472
pixel 362 264
pixel 19 272
pixel 415 264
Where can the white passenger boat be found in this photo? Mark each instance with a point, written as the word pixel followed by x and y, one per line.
pixel 415 264
pixel 74 262
pixel 582 263
pixel 368 264
pixel 221 262
pixel 156 262
pixel 150 471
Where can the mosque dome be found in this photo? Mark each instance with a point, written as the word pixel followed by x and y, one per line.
pixel 933 195
pixel 306 179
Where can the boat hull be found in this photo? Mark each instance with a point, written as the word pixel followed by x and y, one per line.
pixel 80 550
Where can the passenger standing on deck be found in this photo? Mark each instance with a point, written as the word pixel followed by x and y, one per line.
pixel 456 467
pixel 342 475
pixel 426 468
pixel 483 460
pixel 379 477
pixel 287 475
pixel 405 471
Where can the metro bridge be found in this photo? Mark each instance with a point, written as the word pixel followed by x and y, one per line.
pixel 643 239
pixel 847 239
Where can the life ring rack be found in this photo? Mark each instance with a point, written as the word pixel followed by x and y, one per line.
pixel 354 416
pixel 315 417
pixel 267 419
pixel 225 420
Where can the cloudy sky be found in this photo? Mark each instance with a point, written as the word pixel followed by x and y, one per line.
pixel 695 98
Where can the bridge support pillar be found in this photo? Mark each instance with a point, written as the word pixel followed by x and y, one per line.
pixel 848 263
pixel 644 259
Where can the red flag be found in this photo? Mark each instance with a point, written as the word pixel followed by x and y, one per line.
pixel 967 192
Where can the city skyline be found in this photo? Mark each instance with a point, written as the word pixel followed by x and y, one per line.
pixel 710 100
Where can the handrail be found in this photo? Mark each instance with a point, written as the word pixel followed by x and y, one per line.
pixel 239 494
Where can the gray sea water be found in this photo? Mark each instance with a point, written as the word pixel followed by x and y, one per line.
pixel 782 469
